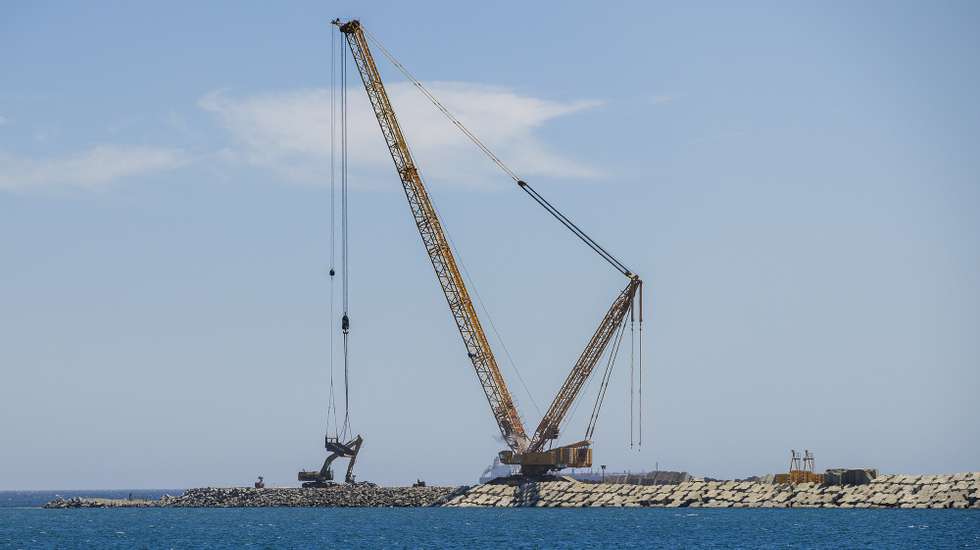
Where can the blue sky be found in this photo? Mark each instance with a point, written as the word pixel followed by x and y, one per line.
pixel 796 183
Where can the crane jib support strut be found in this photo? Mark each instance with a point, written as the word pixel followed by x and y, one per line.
pixel 548 428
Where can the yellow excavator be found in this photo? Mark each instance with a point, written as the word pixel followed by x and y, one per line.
pixel 535 454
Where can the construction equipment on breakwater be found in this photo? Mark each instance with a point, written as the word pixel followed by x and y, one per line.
pixel 535 452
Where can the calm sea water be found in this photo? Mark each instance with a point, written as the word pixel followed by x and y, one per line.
pixel 24 527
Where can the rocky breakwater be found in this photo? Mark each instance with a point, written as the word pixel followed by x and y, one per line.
pixel 886 491
pixel 336 496
pixel 245 497
pixel 89 502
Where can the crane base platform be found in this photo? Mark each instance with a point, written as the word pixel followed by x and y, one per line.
pixel 539 463
pixel 517 480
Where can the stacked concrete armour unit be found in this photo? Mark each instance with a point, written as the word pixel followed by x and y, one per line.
pixel 844 476
pixel 886 491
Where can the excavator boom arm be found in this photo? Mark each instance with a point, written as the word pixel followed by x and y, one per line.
pixel 436 244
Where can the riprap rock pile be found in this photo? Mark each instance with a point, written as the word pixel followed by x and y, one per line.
pixel 336 496
pixel 88 502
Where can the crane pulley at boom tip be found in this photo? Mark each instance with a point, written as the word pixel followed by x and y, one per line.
pixel 526 452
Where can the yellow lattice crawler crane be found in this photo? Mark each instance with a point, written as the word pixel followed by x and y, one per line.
pixel 532 453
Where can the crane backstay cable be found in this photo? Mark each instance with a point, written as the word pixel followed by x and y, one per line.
pixel 486 312
pixel 578 232
pixel 435 101
pixel 589 241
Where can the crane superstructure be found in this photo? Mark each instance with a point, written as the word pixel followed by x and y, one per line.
pixel 528 452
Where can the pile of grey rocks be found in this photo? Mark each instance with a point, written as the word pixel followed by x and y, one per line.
pixel 359 495
pixel 87 502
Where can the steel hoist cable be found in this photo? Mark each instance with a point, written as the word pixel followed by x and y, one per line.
pixel 606 375
pixel 639 359
pixel 632 371
pixel 332 404
pixel 558 215
pixel 345 243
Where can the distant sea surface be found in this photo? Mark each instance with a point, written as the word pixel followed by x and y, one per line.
pixel 23 525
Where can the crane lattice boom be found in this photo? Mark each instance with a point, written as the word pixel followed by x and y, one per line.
pixel 437 246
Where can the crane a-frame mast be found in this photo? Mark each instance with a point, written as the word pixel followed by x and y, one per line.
pixel 434 239
pixel 548 427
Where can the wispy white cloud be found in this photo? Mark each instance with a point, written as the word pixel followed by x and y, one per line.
pixel 289 132
pixel 663 99
pixel 3 120
pixel 90 169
